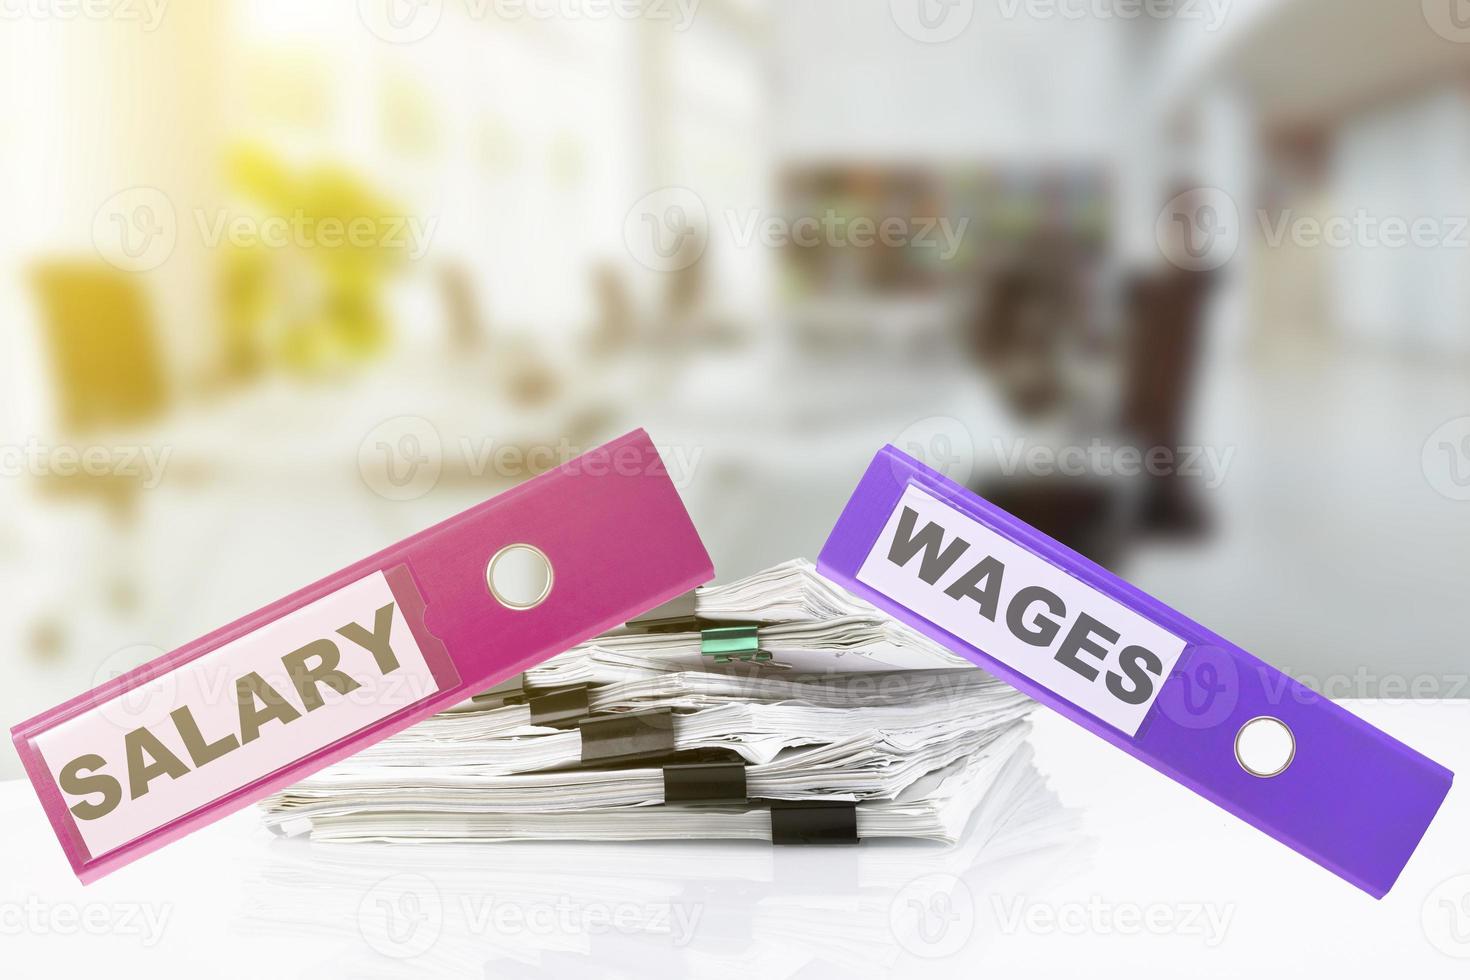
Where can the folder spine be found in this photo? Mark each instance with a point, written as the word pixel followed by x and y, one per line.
pixel 1353 799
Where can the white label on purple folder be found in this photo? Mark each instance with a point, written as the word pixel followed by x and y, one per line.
pixel 1021 610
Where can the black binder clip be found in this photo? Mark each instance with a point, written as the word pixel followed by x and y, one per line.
pixel 727 643
pixel 813 822
pixel 636 734
pixel 705 782
pixel 559 708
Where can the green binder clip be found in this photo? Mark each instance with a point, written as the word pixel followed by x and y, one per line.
pixel 727 643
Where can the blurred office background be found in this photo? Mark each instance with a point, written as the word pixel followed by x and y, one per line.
pixel 1186 284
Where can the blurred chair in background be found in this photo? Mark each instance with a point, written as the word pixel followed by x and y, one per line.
pixel 104 353
pixel 616 327
pixel 1031 314
pixel 468 329
pixel 1165 324
pixel 108 377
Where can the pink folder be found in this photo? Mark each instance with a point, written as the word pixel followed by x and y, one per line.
pixel 357 656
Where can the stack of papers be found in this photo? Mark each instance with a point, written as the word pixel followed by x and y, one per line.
pixel 791 592
pixel 852 708
pixel 806 623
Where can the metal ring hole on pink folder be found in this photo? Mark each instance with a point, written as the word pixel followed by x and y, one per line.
pixel 1265 746
pixel 519 576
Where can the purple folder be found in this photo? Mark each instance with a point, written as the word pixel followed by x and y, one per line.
pixel 1135 672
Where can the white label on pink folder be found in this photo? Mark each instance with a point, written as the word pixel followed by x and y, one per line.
pixel 1022 610
pixel 275 695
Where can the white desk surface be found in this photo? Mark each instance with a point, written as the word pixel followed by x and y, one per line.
pixel 1156 882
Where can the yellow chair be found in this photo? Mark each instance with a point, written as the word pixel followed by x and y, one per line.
pixel 104 356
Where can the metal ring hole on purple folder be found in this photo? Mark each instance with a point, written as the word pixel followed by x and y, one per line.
pixel 1265 746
